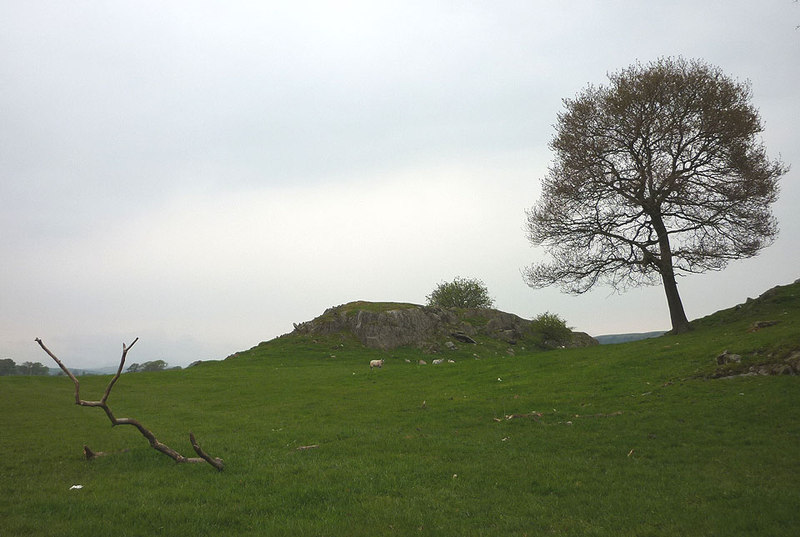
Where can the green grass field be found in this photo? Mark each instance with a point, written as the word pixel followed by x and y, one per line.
pixel 633 439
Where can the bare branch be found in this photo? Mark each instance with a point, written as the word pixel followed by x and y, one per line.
pixel 151 438
pixel 125 350
pixel 215 462
pixel 65 370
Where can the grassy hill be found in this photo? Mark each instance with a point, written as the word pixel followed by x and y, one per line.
pixel 613 339
pixel 629 439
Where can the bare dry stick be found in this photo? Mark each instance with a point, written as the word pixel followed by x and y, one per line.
pixel 216 462
pixel 158 446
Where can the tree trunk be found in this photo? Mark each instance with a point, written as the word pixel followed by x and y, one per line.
pixel 680 324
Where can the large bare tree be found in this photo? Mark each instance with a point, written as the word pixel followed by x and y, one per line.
pixel 658 174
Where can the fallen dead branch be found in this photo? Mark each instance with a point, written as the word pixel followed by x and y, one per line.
pixel 102 403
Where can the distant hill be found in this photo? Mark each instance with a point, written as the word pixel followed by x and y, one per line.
pixel 107 370
pixel 625 338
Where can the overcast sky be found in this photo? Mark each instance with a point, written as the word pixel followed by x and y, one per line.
pixel 203 174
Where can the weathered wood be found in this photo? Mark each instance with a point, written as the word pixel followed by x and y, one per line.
pixel 102 403
pixel 215 462
pixel 89 454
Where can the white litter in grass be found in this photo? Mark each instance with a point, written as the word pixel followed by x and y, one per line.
pixel 74 487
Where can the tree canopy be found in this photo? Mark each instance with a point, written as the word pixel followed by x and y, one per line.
pixel 659 174
pixel 461 293
pixel 9 367
pixel 155 365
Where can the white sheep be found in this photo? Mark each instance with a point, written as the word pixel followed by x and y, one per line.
pixel 376 363
pixel 438 361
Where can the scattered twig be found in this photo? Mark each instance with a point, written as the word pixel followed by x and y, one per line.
pixel 534 415
pixel 303 448
pixel 617 413
pixel 537 416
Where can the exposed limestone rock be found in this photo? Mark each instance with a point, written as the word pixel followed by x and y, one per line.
pixel 758 325
pixel 581 339
pixel 726 358
pixel 794 361
pixel 382 330
pixel 788 366
pixel 388 326
pixel 463 338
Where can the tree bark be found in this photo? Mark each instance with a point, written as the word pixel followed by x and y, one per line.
pixel 680 324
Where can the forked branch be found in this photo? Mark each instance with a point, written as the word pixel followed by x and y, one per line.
pixel 102 403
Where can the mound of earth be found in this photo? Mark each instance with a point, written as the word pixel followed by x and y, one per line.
pixel 386 326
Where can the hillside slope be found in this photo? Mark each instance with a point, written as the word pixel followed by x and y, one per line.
pixel 620 440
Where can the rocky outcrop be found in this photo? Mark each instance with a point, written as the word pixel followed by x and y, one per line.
pixel 728 358
pixel 381 329
pixel 730 366
pixel 581 339
pixel 390 326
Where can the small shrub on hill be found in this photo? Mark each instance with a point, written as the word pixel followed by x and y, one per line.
pixel 461 293
pixel 554 329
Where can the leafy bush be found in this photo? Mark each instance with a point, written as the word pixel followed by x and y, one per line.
pixel 552 328
pixel 461 293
